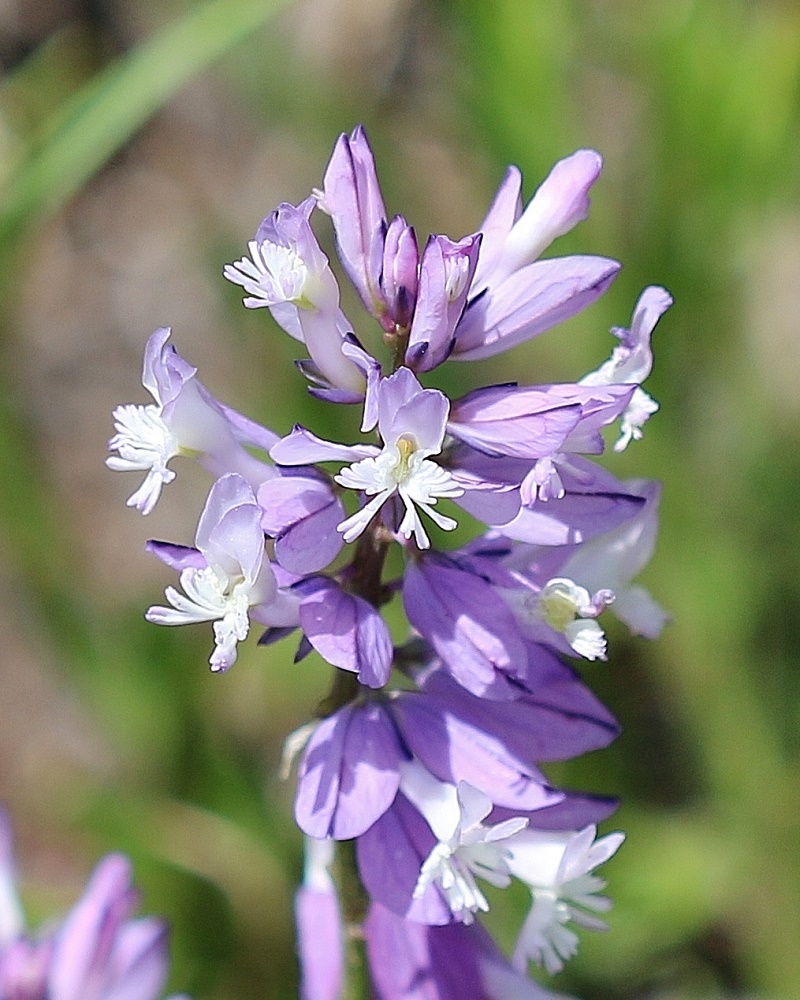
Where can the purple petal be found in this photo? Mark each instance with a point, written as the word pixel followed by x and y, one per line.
pixel 86 937
pixel 404 407
pixel 349 774
pixel 301 447
pixel 399 273
pixel 11 920
pixel 470 627
pixel 528 302
pixel 320 943
pixel 446 272
pixel 178 557
pixel 594 502
pixel 302 512
pixel 459 737
pixel 504 211
pixel 559 204
pixel 352 198
pixel 414 961
pixel 347 631
pixel 390 854
pixel 527 423
pixel 575 811
pixel 164 371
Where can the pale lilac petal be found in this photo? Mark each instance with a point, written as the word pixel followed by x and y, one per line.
pixel 404 407
pixel 138 965
pixel 346 630
pixel 164 371
pixel 248 431
pixel 399 274
pixel 372 373
pixel 349 774
pixel 527 423
pixel 528 302
pixel 86 937
pixel 595 502
pixel 351 196
pixel 504 211
pixel 301 447
pixel 320 943
pixel 11 920
pixel 559 204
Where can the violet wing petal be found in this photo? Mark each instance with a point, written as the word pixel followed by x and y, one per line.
pixel 594 502
pixel 86 936
pixel 463 743
pixel 248 431
pixel 346 630
pixel 137 967
pixel 413 961
pixel 390 855
pixel 301 512
pixel 441 299
pixel 557 719
pixel 504 211
pixel 12 922
pixel 164 371
pixel 528 302
pixel 470 627
pixel 349 774
pixel 575 811
pixel 178 557
pixel 301 447
pixel 352 197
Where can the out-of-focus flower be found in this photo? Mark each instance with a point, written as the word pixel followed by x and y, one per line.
pixel 184 420
pixel 98 952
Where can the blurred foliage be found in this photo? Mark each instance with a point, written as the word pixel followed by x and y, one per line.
pixel 696 106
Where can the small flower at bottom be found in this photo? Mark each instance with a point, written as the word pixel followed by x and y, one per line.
pixel 97 953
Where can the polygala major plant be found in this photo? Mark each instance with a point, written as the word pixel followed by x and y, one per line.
pixel 437 778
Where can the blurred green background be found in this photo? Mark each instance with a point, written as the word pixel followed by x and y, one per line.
pixel 140 144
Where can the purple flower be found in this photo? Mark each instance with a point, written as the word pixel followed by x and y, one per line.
pixel 288 273
pixel 227 578
pixel 184 420
pixel 99 952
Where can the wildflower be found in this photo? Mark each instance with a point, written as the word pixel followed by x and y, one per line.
pixel 227 578
pixel 98 952
pixel 184 420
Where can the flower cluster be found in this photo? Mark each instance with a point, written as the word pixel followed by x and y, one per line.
pixel 438 777
pixel 97 953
